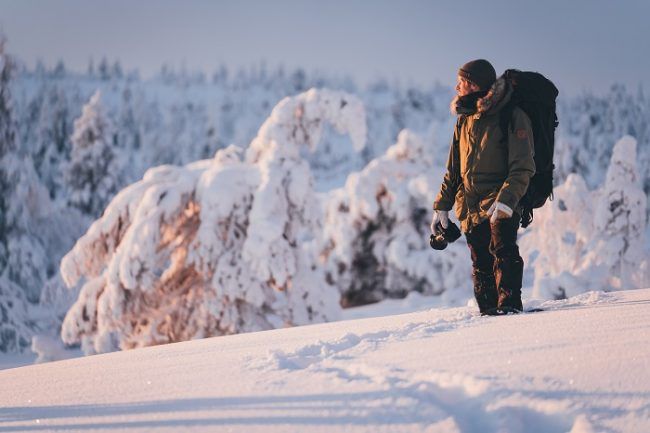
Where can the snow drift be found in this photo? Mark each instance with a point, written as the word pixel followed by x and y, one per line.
pixel 581 366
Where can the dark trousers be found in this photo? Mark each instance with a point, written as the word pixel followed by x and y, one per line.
pixel 497 266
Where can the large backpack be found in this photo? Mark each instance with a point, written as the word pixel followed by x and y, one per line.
pixel 535 95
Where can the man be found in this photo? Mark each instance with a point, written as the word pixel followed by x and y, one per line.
pixel 487 174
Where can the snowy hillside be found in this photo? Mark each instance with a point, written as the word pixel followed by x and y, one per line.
pixel 580 366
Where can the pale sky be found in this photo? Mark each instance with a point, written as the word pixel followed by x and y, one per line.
pixel 579 44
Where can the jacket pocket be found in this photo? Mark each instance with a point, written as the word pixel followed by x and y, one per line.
pixel 487 201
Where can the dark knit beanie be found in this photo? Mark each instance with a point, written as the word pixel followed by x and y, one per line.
pixel 479 72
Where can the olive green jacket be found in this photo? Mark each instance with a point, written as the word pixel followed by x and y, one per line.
pixel 490 168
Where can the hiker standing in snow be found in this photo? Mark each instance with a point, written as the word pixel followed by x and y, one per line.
pixel 487 175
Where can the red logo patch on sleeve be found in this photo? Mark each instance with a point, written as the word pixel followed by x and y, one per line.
pixel 521 134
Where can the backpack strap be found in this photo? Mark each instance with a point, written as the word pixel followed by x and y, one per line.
pixel 505 119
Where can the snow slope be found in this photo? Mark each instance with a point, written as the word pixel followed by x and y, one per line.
pixel 581 366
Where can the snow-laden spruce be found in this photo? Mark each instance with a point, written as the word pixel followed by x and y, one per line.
pixel 93 173
pixel 592 240
pixel 49 137
pixel 377 230
pixel 215 247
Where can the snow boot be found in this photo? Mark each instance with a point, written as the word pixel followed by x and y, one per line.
pixel 509 273
pixel 501 311
pixel 485 291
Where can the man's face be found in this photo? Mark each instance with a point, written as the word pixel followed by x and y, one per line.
pixel 465 87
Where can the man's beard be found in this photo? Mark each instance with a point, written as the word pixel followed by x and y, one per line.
pixel 467 104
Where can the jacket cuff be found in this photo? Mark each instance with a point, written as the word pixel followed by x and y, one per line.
pixel 503 208
pixel 441 205
pixel 507 198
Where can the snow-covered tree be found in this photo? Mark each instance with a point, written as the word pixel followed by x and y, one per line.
pixel 592 240
pixel 377 230
pixel 59 70
pixel 51 148
pixel 27 264
pixel 153 133
pixel 33 245
pixel 620 219
pixel 129 136
pixel 138 129
pixel 555 243
pixel 216 247
pixel 104 70
pixel 23 262
pixel 7 147
pixel 285 206
pixel 92 175
pixel 116 72
pixel 190 135
pixel 15 334
pixel 590 124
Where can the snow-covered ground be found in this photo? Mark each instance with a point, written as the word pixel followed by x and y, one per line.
pixel 583 365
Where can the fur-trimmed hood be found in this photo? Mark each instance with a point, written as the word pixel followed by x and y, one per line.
pixel 498 95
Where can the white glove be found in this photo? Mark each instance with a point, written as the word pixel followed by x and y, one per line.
pixel 499 210
pixel 439 216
